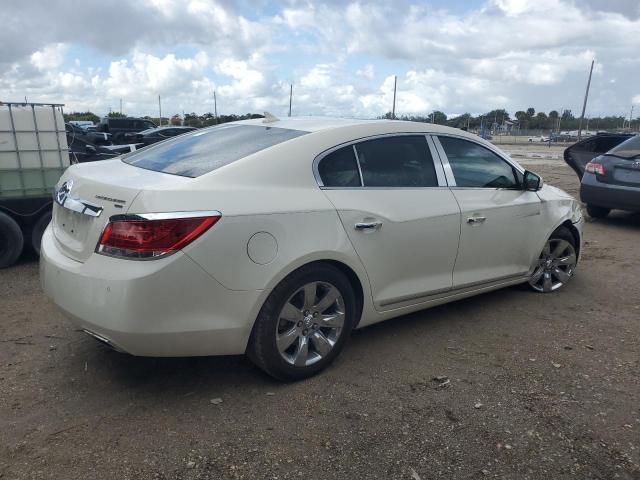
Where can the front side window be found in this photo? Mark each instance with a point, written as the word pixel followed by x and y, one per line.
pixel 401 161
pixel 206 150
pixel 476 166
pixel 339 169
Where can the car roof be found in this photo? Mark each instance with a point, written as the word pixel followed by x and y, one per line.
pixel 318 124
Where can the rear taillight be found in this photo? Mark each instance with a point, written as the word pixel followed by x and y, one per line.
pixel 153 235
pixel 596 168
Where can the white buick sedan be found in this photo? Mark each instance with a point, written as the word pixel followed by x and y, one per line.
pixel 277 238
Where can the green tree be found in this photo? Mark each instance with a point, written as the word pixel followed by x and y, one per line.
pixel 567 115
pixel 531 112
pixel 86 116
pixel 439 117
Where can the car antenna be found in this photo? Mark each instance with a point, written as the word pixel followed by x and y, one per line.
pixel 270 118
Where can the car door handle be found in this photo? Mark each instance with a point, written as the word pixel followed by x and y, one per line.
pixel 367 225
pixel 476 220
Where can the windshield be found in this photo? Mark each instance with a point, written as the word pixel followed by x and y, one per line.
pixel 628 149
pixel 200 152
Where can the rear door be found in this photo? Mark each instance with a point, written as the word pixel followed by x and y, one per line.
pixel 500 228
pixel 402 220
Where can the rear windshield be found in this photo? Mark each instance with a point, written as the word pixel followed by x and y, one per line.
pixel 628 149
pixel 202 152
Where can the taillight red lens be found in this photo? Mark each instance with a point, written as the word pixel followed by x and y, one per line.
pixel 596 168
pixel 141 238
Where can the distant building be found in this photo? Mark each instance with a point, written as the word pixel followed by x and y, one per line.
pixel 505 128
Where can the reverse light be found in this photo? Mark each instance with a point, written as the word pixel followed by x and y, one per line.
pixel 149 236
pixel 596 168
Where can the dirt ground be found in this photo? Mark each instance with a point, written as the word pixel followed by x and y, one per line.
pixel 539 387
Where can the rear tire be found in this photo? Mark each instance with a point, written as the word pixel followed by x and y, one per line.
pixel 297 334
pixel 11 241
pixel 597 212
pixel 38 230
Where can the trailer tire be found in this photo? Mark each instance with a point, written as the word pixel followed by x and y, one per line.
pixel 38 230
pixel 11 240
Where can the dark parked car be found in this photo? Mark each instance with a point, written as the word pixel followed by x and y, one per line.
pixel 92 136
pixel 82 150
pixel 578 155
pixel 612 180
pixel 119 126
pixel 154 135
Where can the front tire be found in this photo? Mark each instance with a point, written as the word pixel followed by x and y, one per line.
pixel 304 323
pixel 597 212
pixel 556 263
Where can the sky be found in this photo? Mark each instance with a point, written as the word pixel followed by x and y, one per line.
pixel 456 56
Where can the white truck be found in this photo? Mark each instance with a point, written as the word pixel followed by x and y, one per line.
pixel 33 156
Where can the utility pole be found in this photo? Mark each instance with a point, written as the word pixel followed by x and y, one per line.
pixel 584 105
pixel 215 107
pixel 630 116
pixel 290 97
pixel 560 118
pixel 395 85
pixel 160 111
pixel 120 106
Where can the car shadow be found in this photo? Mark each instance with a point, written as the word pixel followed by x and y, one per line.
pixel 620 219
pixel 180 377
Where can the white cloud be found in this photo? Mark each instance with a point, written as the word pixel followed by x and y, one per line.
pixel 340 56
pixel 367 72
pixel 49 58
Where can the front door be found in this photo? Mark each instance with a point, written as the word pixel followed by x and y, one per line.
pixel 500 224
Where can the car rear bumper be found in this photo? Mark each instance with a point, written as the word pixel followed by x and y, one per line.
pixel 608 195
pixel 166 308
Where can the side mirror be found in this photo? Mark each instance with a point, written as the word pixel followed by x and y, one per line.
pixel 531 182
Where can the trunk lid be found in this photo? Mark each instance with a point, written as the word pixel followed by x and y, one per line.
pixel 626 173
pixel 88 194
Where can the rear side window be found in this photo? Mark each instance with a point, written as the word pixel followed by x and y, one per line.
pixel 340 169
pixel 628 149
pixel 402 161
pixel 201 152
pixel 475 166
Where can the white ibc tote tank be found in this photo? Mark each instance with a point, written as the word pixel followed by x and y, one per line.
pixel 33 148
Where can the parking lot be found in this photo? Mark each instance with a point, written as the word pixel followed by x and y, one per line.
pixel 510 384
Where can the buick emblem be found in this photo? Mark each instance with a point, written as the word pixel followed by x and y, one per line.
pixel 64 191
pixel 635 165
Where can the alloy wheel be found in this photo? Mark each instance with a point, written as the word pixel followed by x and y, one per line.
pixel 310 323
pixel 555 266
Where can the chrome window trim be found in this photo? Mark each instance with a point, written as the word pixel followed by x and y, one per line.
pixel 439 166
pixel 447 166
pixel 316 161
pixel 355 152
